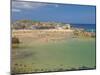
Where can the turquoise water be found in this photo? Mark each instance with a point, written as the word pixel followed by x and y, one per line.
pixel 71 53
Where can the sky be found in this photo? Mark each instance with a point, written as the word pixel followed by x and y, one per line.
pixel 52 12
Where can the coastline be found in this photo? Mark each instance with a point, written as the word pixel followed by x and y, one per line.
pixel 46 35
pixel 46 49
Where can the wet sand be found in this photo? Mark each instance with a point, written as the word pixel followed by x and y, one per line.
pixel 36 55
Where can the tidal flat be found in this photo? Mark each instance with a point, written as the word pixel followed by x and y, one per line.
pixel 41 53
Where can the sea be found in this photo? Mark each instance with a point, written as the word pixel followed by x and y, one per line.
pixel 86 27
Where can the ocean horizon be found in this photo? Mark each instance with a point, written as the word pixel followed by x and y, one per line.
pixel 87 27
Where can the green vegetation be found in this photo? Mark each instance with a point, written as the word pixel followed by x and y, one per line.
pixel 29 24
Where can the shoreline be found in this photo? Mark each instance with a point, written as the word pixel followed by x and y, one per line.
pixel 46 35
pixel 37 41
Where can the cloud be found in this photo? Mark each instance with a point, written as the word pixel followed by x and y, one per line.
pixel 56 5
pixel 18 6
pixel 16 10
pixel 26 5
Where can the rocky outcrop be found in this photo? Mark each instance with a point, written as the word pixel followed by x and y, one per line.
pixel 15 40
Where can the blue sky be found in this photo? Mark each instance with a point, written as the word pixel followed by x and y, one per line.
pixel 66 13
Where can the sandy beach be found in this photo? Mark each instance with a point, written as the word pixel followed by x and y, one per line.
pixel 42 35
pixel 53 48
